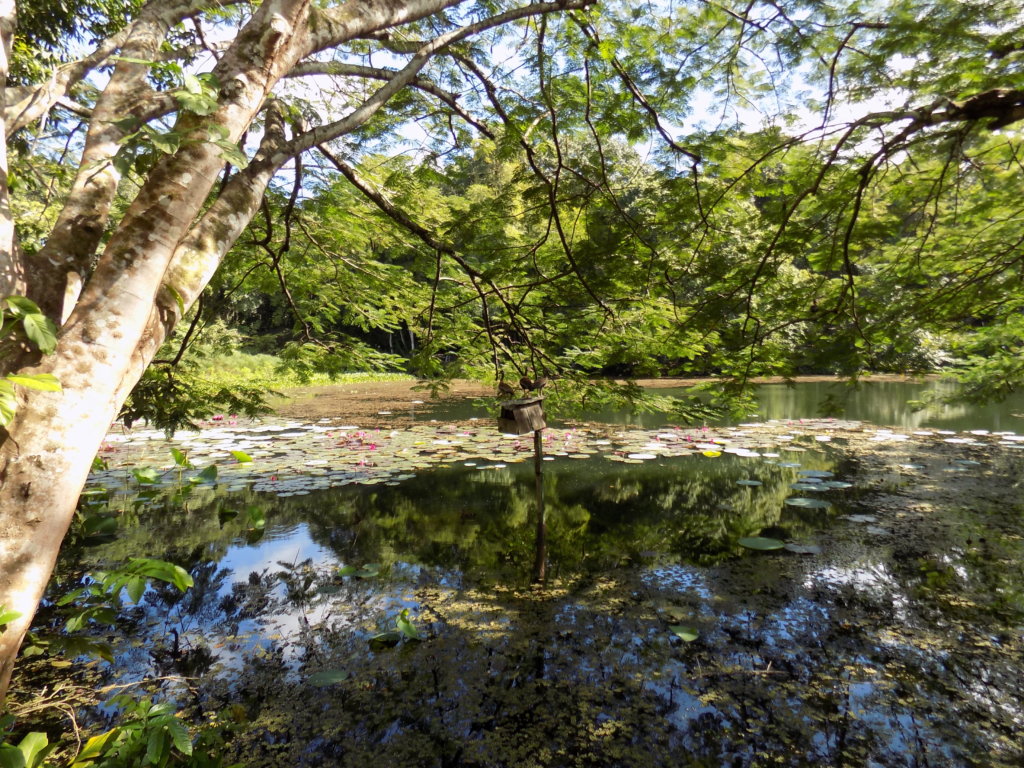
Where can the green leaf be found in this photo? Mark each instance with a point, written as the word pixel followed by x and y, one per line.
pixel 180 458
pixel 232 154
pixel 405 626
pixel 167 143
pixel 20 306
pixel 127 125
pixel 348 570
pixel 178 298
pixel 209 474
pixel 11 757
pixel 327 677
pixel 180 736
pixel 241 457
pixel 197 103
pixel 160 570
pixel 157 746
pixel 41 331
pixel 146 475
pixel 8 615
pixel 45 382
pixel 94 748
pixel 8 402
pixel 136 588
pixel 689 634
pixel 192 83
pixel 761 543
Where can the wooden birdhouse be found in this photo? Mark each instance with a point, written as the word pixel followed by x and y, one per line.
pixel 518 417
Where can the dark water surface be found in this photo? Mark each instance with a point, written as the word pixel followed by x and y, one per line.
pixel 894 641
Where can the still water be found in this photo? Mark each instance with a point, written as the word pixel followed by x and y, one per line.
pixel 885 403
pixel 889 633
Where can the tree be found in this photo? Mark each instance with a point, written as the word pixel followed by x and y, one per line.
pixel 182 114
pixel 156 258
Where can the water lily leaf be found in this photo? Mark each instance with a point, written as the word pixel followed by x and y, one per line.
pixel 761 543
pixel 209 474
pixel 385 640
pixel 750 483
pixel 837 484
pixel 683 632
pixel 368 571
pixel 241 457
pixel 327 677
pixel 808 503
pixel 348 570
pixel 146 475
pixel 814 473
pixel 804 549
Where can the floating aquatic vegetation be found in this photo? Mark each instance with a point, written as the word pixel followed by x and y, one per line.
pixel 807 503
pixel 762 543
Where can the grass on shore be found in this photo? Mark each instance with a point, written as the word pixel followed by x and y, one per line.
pixel 243 368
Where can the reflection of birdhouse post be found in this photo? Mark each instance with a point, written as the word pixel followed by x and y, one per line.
pixel 518 417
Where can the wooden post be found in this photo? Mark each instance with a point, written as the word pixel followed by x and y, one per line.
pixel 541 558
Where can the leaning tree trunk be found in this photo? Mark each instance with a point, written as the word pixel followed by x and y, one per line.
pixel 115 329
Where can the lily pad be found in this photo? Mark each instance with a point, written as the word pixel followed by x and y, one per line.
pixel 327 677
pixel 804 549
pixel 761 543
pixel 797 501
pixel 751 483
pixel 818 473
pixel 385 640
pixel 807 487
pixel 683 632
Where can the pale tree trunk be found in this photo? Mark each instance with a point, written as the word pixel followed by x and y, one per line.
pixel 56 273
pixel 51 443
pixel 12 275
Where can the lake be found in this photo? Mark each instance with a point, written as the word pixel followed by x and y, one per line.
pixel 362 593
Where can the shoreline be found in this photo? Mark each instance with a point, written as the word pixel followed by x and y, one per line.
pixel 366 400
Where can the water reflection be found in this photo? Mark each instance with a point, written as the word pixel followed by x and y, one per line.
pixel 885 403
pixel 900 647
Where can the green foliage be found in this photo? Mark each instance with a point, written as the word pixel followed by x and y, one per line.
pixel 23 325
pixel 30 752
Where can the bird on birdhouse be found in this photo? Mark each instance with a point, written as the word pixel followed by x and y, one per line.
pixel 533 386
pixel 505 389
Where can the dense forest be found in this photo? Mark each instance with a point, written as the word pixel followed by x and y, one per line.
pixel 591 192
